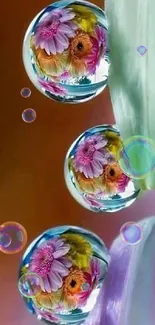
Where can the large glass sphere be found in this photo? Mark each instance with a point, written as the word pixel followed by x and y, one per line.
pixel 65 51
pixel 61 274
pixel 92 173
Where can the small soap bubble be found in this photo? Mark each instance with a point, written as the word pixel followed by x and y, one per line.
pixel 25 92
pixel 142 50
pixel 10 231
pixel 30 285
pixel 29 115
pixel 136 157
pixel 85 286
pixel 131 233
pixel 5 240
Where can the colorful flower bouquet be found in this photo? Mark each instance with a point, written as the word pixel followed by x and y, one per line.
pixel 72 264
pixel 93 175
pixel 68 51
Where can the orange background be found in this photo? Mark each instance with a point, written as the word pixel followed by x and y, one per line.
pixel 32 188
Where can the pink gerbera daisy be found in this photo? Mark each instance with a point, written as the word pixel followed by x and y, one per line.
pixel 122 183
pixel 50 263
pixel 53 32
pixel 92 59
pixel 101 34
pixel 52 87
pixel 90 156
pixel 92 279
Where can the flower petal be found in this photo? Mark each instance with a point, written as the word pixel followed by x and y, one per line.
pixel 47 284
pixel 65 261
pixel 60 268
pixel 62 251
pixel 56 281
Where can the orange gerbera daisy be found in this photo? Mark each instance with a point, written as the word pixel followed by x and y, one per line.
pixel 72 287
pixel 80 48
pixel 112 173
pixel 51 65
pixel 111 176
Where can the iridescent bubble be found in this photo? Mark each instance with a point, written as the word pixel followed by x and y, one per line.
pixel 5 240
pixel 29 115
pixel 25 92
pixel 17 234
pixel 131 233
pixel 142 50
pixel 30 285
pixel 136 157
pixel 85 286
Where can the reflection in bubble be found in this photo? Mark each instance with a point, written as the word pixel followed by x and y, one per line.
pixel 131 233
pixel 12 230
pixel 29 115
pixel 5 240
pixel 136 157
pixel 30 285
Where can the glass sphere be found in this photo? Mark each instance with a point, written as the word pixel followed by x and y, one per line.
pixel 72 263
pixel 65 51
pixel 92 173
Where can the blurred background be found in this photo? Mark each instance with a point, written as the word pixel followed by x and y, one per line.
pixel 32 188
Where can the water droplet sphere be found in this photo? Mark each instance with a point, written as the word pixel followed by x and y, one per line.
pixel 66 258
pixel 17 235
pixel 93 175
pixel 65 51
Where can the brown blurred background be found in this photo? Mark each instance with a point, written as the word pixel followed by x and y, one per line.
pixel 32 188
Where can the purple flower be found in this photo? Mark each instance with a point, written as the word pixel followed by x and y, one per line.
pixel 50 263
pixel 52 87
pixel 53 32
pixel 101 36
pixel 90 156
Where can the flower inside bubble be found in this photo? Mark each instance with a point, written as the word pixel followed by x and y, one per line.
pixel 67 45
